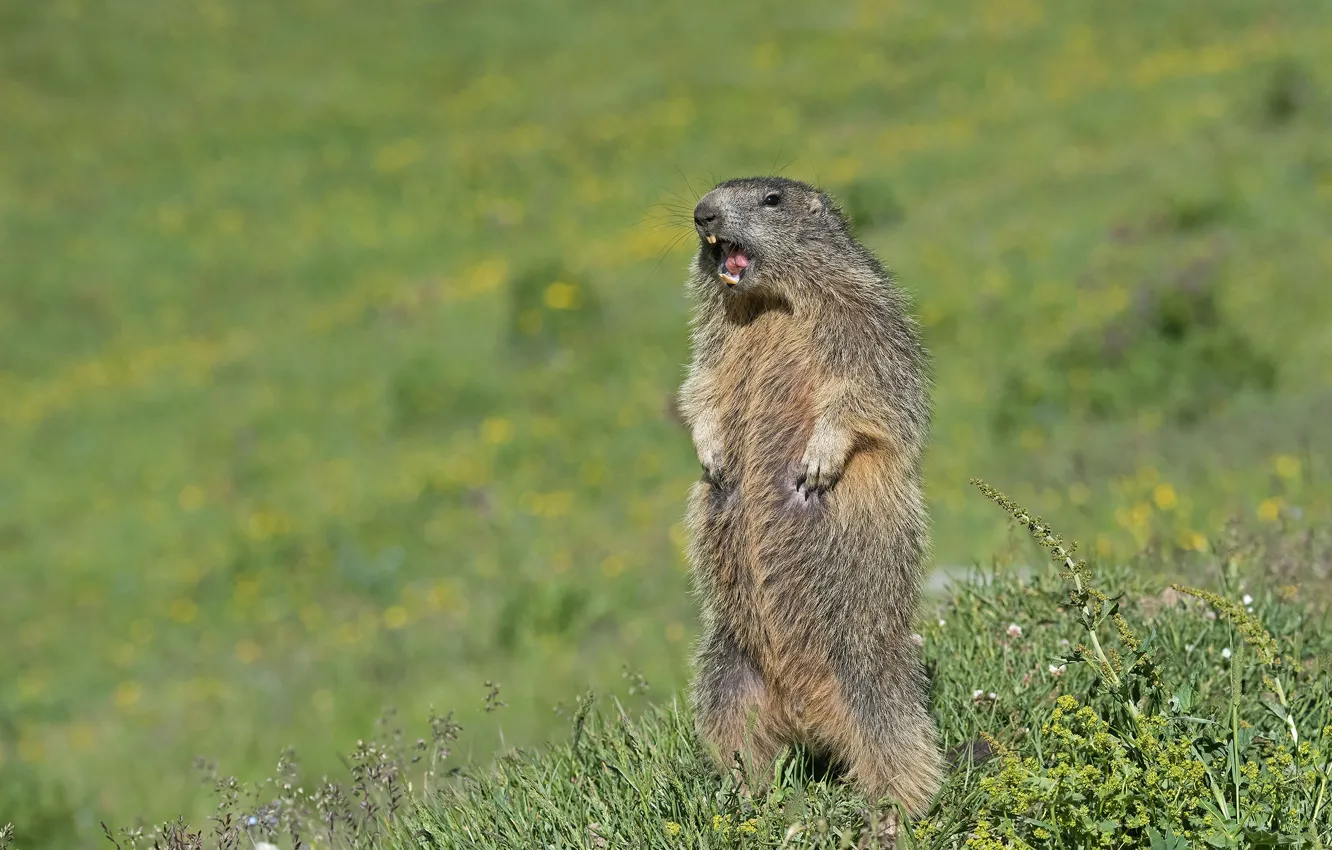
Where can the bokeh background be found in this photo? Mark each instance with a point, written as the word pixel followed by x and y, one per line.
pixel 338 340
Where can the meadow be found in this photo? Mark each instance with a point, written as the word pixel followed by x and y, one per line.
pixel 338 342
pixel 1080 707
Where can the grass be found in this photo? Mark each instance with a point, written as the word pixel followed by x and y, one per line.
pixel 335 346
pixel 1107 710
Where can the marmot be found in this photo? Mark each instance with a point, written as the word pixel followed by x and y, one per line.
pixel 808 402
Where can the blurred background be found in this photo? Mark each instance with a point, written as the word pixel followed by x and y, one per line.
pixel 338 340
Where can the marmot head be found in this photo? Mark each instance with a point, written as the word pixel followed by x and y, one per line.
pixel 761 232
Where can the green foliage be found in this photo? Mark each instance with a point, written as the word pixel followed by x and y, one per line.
pixel 870 204
pixel 1288 93
pixel 1139 759
pixel 1172 352
pixel 428 392
pixel 42 808
pixel 623 783
pixel 1147 717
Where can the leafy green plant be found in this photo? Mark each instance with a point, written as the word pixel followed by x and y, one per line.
pixel 1132 760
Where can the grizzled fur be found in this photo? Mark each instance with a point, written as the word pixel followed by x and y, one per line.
pixel 808 402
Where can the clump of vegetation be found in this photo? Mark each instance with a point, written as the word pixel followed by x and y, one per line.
pixel 1150 716
pixel 870 203
pixel 39 808
pixel 425 392
pixel 1287 94
pixel 1173 350
pixel 388 776
pixel 1150 751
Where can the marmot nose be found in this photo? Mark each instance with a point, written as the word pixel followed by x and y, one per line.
pixel 705 214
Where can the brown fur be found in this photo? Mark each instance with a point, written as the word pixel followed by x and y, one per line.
pixel 808 402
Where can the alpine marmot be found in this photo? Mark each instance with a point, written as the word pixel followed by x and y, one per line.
pixel 808 402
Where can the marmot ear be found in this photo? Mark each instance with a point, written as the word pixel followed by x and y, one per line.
pixel 817 202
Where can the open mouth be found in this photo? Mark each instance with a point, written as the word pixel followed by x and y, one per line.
pixel 734 260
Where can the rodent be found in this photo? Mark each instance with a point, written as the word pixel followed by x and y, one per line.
pixel 808 401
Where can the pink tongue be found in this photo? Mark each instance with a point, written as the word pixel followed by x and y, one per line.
pixel 736 263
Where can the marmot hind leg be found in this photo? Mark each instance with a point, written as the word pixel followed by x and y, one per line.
pixel 887 739
pixel 889 751
pixel 731 710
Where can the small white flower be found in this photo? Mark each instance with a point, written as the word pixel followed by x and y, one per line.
pixel 1014 630
pixel 1225 653
pixel 1058 670
pixel 1211 615
pixel 1248 600
pixel 264 845
pixel 941 622
pixel 1188 647
pixel 977 694
pixel 1249 609
pixel 1064 642
pixel 992 696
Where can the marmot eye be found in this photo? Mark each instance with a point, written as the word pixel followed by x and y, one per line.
pixel 772 199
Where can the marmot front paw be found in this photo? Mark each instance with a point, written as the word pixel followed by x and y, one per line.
pixel 710 455
pixel 714 471
pixel 822 465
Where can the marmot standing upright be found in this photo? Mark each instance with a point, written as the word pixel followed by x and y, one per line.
pixel 808 402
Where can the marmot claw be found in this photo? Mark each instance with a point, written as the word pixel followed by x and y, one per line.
pixel 821 468
pixel 710 455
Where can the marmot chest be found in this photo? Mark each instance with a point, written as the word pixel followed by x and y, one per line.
pixel 768 380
